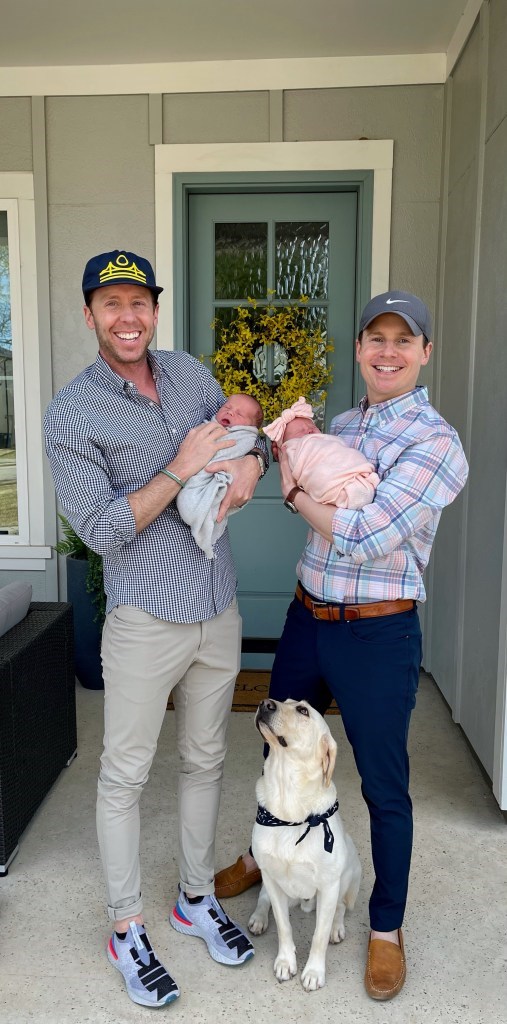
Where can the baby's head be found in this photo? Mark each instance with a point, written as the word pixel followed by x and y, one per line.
pixel 240 410
pixel 299 427
pixel 293 422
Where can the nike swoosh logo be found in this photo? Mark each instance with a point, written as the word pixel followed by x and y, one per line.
pixel 389 302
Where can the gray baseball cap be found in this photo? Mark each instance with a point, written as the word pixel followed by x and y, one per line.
pixel 412 309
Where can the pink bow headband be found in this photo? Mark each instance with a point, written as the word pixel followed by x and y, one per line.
pixel 276 429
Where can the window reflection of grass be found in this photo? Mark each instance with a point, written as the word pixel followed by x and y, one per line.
pixel 8 507
pixel 240 260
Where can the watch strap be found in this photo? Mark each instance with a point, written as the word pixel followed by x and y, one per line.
pixel 262 465
pixel 292 494
pixel 289 501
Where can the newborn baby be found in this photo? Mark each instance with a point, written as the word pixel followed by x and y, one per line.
pixel 322 464
pixel 199 500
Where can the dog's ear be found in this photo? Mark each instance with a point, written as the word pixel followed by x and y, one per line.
pixel 328 749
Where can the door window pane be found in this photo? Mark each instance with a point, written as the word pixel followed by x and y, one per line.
pixel 302 260
pixel 241 259
pixel 8 487
pixel 224 315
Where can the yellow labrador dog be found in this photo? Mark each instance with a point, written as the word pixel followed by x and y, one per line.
pixel 298 839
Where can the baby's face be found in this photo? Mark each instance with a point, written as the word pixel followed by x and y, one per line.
pixel 238 410
pixel 299 427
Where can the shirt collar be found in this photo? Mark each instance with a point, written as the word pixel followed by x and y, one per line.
pixel 116 381
pixel 395 407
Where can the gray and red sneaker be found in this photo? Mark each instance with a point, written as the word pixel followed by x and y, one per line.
pixel 147 981
pixel 226 942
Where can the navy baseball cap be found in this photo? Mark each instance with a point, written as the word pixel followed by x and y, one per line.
pixel 118 267
pixel 412 309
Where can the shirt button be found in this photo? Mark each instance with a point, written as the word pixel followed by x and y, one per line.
pixel 173 431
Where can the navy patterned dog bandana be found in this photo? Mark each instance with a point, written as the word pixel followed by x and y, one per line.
pixel 264 817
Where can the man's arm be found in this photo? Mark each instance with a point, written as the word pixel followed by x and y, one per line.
pixel 425 478
pixel 104 521
pixel 199 446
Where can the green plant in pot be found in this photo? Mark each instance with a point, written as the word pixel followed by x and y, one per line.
pixel 85 591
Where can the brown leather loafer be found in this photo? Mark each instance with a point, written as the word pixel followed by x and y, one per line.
pixel 385 968
pixel 235 879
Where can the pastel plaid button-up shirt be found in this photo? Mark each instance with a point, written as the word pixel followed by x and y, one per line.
pixel 380 551
pixel 104 440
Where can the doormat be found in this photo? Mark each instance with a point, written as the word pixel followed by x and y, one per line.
pixel 252 686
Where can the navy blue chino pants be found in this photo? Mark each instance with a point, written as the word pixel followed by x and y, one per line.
pixel 371 668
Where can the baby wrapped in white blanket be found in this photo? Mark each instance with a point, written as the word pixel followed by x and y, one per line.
pixel 322 465
pixel 199 500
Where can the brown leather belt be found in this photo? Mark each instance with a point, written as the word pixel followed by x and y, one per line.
pixel 335 612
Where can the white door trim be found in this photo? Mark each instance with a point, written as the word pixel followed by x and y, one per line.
pixel 364 155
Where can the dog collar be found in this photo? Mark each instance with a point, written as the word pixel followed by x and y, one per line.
pixel 264 817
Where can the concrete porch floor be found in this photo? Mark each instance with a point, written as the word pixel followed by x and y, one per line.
pixel 53 968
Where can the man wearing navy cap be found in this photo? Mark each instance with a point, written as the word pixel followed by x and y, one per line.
pixel 352 631
pixel 122 439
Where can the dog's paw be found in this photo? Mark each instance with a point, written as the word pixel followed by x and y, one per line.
pixel 285 968
pixel 258 922
pixel 313 978
pixel 308 905
pixel 337 933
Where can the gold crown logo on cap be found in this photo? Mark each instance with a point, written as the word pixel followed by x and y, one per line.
pixel 121 268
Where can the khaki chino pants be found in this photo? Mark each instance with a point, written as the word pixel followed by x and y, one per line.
pixel 144 660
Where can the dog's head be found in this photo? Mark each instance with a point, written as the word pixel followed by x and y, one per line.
pixel 297 728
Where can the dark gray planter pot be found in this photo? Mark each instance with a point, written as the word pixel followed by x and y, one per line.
pixel 87 632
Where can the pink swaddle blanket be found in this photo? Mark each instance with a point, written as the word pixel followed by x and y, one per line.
pixel 331 472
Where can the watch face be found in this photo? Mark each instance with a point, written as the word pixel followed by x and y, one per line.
pixel 290 505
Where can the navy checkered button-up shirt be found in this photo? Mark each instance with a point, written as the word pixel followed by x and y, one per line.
pixel 104 440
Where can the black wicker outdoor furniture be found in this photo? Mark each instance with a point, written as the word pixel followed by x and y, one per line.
pixel 37 715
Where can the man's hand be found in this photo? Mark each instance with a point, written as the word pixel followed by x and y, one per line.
pixel 200 445
pixel 245 474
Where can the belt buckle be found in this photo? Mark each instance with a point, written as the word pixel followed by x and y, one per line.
pixel 316 606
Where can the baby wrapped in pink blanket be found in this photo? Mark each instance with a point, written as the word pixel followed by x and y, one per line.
pixel 321 464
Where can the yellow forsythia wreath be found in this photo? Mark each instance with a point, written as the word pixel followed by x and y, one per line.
pixel 238 345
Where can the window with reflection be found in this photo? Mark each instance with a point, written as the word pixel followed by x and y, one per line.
pixel 241 260
pixel 8 486
pixel 302 260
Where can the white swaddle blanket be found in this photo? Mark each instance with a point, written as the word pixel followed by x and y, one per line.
pixel 199 500
pixel 331 472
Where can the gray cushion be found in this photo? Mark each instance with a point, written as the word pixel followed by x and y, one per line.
pixel 14 603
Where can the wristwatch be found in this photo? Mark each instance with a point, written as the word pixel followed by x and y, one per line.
pixel 289 501
pixel 260 460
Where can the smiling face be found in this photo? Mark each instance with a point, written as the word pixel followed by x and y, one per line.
pixel 240 410
pixel 124 319
pixel 390 357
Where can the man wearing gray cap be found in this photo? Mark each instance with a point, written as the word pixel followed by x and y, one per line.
pixel 352 630
pixel 122 439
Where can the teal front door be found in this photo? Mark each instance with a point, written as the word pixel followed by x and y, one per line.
pixel 290 244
